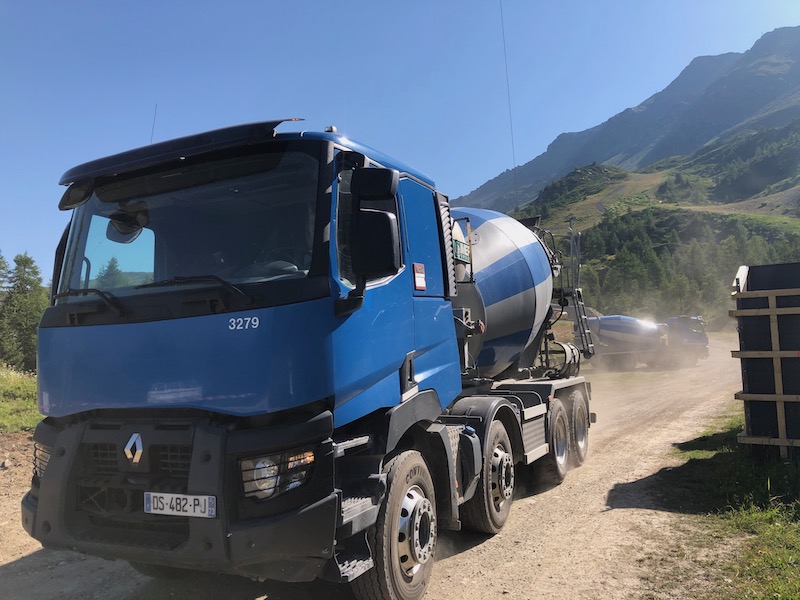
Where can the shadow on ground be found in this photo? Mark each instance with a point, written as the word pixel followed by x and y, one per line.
pixel 719 474
pixel 48 574
pixel 237 588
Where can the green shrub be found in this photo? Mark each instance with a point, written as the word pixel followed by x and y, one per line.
pixel 18 411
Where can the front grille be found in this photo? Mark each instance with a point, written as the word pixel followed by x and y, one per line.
pixel 164 524
pixel 175 460
pixel 107 499
pixel 104 458
pixel 110 493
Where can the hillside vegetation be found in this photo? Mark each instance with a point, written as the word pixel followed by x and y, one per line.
pixel 668 240
pixel 18 410
pixel 22 301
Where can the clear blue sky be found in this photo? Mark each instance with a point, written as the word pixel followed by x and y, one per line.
pixel 422 80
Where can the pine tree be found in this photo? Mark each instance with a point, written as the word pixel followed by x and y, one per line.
pixel 590 283
pixel 22 308
pixel 3 273
pixel 592 244
pixel 3 280
pixel 111 276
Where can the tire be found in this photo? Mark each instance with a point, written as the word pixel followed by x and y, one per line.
pixel 160 571
pixel 403 539
pixel 579 428
pixel 487 511
pixel 557 461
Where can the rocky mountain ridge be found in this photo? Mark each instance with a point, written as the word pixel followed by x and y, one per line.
pixel 713 99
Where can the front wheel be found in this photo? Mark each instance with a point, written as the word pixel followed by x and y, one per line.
pixel 487 511
pixel 403 539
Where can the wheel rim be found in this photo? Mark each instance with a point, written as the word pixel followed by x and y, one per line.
pixel 416 531
pixel 502 477
pixel 581 428
pixel 561 441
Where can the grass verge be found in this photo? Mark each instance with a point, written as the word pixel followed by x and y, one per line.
pixel 18 410
pixel 743 493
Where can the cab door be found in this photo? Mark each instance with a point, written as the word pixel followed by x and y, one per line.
pixel 371 344
pixel 435 361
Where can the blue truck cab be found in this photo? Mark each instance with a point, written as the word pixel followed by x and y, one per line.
pixel 251 340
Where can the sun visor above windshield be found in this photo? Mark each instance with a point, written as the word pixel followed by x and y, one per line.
pixel 154 154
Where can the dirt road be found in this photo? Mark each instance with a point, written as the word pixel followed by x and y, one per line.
pixel 598 535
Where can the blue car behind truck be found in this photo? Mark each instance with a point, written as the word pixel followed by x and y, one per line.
pixel 282 355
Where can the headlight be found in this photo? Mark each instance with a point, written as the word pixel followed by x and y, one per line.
pixel 260 477
pixel 267 476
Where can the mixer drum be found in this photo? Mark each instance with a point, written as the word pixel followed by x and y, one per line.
pixel 512 289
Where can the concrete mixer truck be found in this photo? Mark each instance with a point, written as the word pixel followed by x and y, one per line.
pixel 283 356
pixel 621 342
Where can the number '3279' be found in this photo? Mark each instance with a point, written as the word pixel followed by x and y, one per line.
pixel 243 323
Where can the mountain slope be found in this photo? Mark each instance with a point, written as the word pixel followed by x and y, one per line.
pixel 753 172
pixel 713 98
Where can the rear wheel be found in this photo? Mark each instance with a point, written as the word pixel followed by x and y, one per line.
pixel 403 539
pixel 487 511
pixel 557 461
pixel 579 428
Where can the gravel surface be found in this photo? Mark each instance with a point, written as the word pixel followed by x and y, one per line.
pixel 603 533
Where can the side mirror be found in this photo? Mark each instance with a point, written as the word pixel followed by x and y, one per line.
pixel 373 184
pixel 76 194
pixel 376 247
pixel 374 234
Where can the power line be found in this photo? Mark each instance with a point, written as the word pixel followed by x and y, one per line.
pixel 508 95
pixel 153 128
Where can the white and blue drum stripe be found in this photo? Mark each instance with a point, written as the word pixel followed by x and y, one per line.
pixel 514 279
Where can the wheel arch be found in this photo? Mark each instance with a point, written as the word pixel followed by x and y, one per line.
pixel 429 440
pixel 403 420
pixel 484 410
pixel 565 395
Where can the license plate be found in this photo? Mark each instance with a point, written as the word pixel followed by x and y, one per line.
pixel 180 504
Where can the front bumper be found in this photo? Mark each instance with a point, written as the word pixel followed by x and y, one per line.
pixel 90 498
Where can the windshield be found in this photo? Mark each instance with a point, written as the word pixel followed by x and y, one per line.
pixel 244 221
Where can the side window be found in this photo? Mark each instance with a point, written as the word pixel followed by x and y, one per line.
pixel 424 226
pixel 110 265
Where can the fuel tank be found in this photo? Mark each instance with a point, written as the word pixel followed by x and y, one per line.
pixel 509 291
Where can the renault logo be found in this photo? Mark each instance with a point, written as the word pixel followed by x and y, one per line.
pixel 133 449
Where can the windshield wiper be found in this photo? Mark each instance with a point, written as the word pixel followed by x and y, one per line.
pixel 108 298
pixel 180 280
